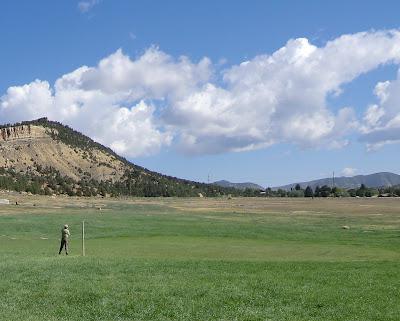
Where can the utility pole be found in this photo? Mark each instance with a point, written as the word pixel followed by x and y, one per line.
pixel 333 179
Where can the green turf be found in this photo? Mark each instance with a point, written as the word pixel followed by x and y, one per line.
pixel 154 262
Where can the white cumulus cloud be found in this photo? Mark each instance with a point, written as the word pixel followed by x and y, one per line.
pixel 282 97
pixel 381 123
pixel 349 171
pixel 138 105
pixel 26 102
pixel 110 113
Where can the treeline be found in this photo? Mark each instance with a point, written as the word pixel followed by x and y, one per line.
pixel 327 191
pixel 49 181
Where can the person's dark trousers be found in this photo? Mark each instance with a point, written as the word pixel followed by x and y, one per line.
pixel 64 243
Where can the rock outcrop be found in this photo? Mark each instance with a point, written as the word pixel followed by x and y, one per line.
pixel 23 147
pixel 21 132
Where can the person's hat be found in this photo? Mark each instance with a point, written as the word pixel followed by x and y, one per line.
pixel 66 226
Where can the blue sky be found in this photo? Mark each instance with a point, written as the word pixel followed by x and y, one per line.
pixel 285 116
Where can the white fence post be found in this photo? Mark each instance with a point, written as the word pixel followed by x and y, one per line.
pixel 83 238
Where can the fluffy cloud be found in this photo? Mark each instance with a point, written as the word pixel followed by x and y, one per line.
pixel 137 106
pixel 282 97
pixel 381 123
pixel 154 75
pixel 111 115
pixel 349 171
pixel 26 102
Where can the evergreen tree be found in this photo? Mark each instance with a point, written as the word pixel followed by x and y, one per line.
pixel 317 192
pixel 308 192
pixel 325 191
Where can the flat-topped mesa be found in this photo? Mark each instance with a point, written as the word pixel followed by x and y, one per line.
pixel 21 132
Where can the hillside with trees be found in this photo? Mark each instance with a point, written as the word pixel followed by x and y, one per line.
pixel 47 157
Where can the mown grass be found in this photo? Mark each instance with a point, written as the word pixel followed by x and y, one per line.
pixel 154 261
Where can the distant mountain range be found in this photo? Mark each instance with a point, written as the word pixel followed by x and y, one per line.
pixel 372 180
pixel 241 186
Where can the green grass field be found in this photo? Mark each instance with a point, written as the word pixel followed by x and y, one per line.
pixel 201 259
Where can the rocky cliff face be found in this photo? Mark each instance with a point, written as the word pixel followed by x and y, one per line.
pixel 21 132
pixel 24 147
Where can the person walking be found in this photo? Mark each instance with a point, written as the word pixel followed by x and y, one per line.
pixel 64 239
